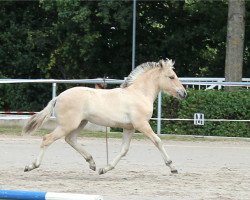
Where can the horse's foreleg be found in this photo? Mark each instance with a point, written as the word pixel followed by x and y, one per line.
pixel 126 139
pixel 146 129
pixel 71 139
pixel 47 140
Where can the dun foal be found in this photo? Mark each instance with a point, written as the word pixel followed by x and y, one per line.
pixel 129 107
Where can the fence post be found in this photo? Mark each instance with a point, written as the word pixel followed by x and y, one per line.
pixel 53 95
pixel 53 90
pixel 159 101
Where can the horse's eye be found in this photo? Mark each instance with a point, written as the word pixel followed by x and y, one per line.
pixel 171 77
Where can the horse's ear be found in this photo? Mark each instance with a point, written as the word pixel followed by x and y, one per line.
pixel 162 63
pixel 169 63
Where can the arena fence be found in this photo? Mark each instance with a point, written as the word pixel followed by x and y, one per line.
pixel 188 82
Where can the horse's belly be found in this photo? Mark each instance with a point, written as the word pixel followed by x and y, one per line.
pixel 119 121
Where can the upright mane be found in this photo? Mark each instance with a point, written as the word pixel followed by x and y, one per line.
pixel 142 68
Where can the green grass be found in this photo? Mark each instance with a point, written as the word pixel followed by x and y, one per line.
pixel 16 131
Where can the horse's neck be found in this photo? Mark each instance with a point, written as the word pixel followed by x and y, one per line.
pixel 147 85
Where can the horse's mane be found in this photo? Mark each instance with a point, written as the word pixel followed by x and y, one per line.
pixel 140 69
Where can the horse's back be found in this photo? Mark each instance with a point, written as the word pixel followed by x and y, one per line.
pixel 97 106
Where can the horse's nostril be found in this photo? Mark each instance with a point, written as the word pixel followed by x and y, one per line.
pixel 182 94
pixel 185 94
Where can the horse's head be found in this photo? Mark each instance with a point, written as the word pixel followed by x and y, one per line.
pixel 169 81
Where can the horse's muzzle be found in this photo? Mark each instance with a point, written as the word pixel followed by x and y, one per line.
pixel 182 94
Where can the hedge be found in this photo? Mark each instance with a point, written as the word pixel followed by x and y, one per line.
pixel 214 104
pixel 27 96
pixel 24 97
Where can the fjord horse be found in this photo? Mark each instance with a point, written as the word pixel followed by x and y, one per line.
pixel 129 107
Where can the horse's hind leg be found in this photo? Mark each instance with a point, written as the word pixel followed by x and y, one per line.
pixel 71 139
pixel 126 139
pixel 47 140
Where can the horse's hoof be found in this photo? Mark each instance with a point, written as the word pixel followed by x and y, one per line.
pixel 26 169
pixel 101 171
pixel 174 171
pixel 93 168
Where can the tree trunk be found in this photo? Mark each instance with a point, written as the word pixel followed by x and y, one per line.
pixel 235 41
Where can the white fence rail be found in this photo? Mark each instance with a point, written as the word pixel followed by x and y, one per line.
pixel 199 83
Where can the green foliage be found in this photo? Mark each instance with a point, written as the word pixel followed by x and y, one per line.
pixel 192 32
pixel 215 105
pixel 24 97
pixel 85 39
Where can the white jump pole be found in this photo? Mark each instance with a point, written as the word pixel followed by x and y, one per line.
pixel 31 195
pixel 70 196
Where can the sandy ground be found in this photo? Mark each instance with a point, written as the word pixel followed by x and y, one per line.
pixel 207 170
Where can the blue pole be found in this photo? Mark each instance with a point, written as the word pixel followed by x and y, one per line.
pixel 22 195
pixel 31 195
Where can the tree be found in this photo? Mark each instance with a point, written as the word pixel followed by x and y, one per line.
pixel 90 38
pixel 235 40
pixel 190 32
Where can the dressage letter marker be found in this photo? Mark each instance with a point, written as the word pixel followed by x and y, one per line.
pixel 198 119
pixel 29 195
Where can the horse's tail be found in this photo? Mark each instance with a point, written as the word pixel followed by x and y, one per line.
pixel 38 119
